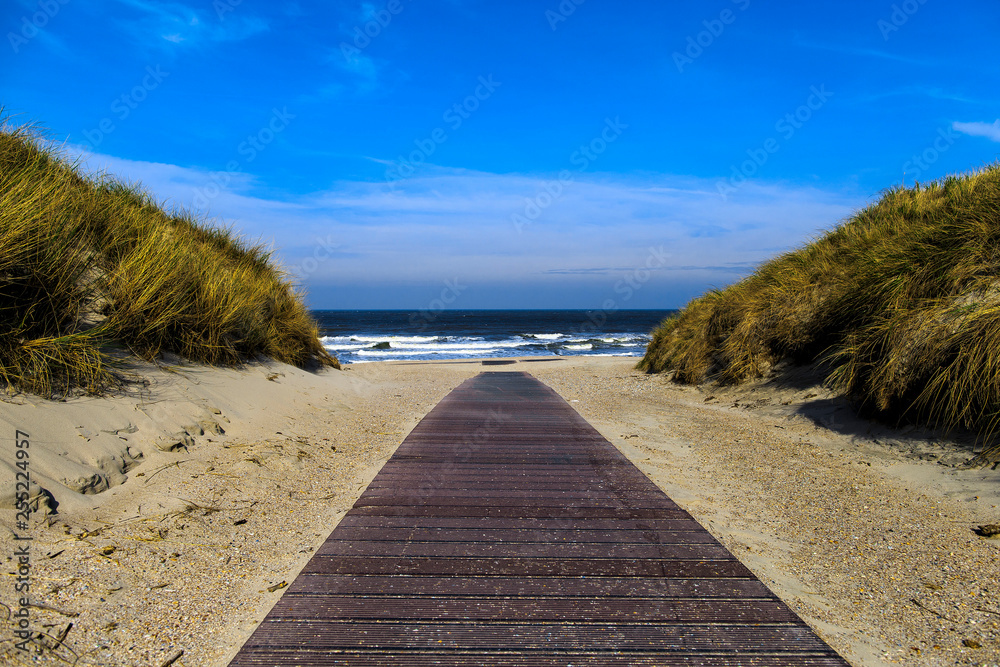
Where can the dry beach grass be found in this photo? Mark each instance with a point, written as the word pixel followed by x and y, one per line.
pixel 900 302
pixel 95 271
pixel 869 536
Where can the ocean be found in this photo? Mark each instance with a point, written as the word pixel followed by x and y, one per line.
pixel 358 336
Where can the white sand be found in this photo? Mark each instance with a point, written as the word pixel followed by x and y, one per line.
pixel 868 536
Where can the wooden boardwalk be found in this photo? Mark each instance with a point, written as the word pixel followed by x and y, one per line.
pixel 506 531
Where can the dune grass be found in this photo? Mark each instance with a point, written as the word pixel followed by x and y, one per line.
pixel 900 304
pixel 93 270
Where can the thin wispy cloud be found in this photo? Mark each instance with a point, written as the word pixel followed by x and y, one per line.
pixel 862 52
pixel 369 12
pixel 357 64
pixel 178 23
pixel 363 26
pixel 355 72
pixel 599 271
pixel 238 28
pixel 989 130
pixel 740 268
pixel 931 92
pixel 456 223
pixel 54 43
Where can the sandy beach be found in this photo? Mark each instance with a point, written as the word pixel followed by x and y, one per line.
pixel 184 507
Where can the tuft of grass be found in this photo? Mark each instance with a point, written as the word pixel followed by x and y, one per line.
pixel 900 303
pixel 91 265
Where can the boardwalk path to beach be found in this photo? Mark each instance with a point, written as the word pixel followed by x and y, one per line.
pixel 506 530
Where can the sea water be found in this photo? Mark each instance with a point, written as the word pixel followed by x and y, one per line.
pixel 357 336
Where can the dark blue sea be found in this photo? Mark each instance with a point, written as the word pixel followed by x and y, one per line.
pixel 357 336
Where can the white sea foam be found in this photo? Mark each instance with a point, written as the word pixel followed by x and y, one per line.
pixel 394 339
pixel 468 352
pixel 615 354
pixel 361 347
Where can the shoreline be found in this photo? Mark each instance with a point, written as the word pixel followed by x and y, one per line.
pixel 187 547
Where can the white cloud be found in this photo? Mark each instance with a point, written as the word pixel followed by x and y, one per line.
pixel 449 223
pixel 989 130
pixel 364 73
pixel 359 65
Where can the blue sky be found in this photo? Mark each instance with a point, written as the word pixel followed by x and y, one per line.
pixel 578 154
